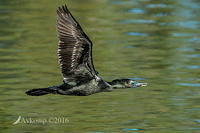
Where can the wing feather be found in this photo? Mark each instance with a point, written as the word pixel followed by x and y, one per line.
pixel 74 49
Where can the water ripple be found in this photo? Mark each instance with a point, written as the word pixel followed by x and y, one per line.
pixel 193 67
pixel 194 128
pixel 189 84
pixel 130 46
pixel 198 120
pixel 162 14
pixel 186 24
pixel 185 49
pixel 122 2
pixel 138 78
pixel 193 55
pixel 2 45
pixel 185 34
pixel 138 21
pixel 97 132
pixel 134 129
pixel 136 10
pixel 194 39
pixel 5 10
pixel 156 5
pixel 137 34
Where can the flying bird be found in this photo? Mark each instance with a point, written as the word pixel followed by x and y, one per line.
pixel 75 58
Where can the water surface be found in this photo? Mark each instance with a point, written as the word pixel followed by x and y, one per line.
pixel 147 40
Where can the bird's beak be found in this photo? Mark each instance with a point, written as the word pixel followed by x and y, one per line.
pixel 140 84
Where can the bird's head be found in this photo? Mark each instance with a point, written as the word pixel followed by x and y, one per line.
pixel 126 83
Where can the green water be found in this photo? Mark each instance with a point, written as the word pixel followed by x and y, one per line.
pixel 154 41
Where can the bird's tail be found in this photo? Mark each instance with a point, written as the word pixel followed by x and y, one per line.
pixel 41 91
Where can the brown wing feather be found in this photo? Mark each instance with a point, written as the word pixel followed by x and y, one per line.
pixel 74 49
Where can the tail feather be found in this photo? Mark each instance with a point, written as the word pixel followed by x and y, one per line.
pixel 39 92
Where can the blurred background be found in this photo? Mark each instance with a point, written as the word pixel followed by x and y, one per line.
pixel 154 41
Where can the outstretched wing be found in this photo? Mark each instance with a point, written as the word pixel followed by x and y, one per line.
pixel 74 49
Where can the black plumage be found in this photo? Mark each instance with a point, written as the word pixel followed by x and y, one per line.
pixel 75 58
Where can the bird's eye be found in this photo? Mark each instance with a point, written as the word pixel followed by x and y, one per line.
pixel 133 82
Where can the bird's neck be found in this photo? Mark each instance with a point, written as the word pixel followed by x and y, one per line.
pixel 117 84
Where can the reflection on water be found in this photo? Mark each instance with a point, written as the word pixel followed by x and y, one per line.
pixel 131 129
pixel 154 41
pixel 188 84
pixel 140 21
pixel 137 34
pixel 136 11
